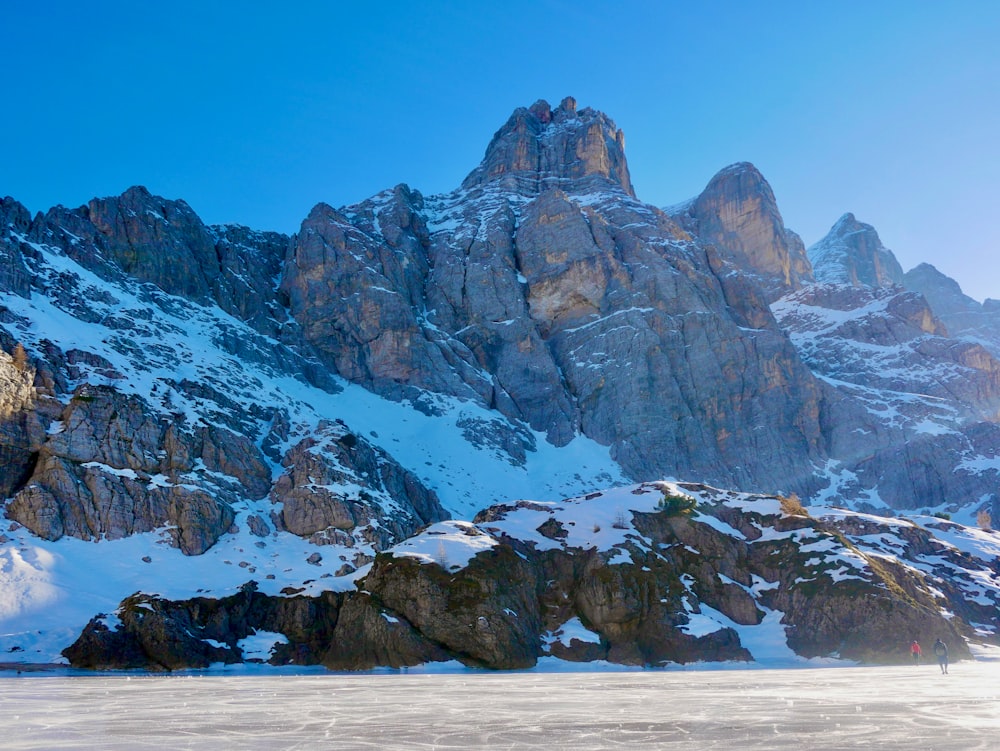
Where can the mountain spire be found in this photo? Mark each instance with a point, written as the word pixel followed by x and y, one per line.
pixel 737 212
pixel 540 147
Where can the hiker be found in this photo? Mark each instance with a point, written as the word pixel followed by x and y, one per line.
pixel 916 652
pixel 941 652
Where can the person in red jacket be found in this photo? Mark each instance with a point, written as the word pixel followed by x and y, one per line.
pixel 916 652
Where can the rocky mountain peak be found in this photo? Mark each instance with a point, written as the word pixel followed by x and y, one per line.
pixel 540 147
pixel 943 292
pixel 963 315
pixel 737 212
pixel 13 215
pixel 852 253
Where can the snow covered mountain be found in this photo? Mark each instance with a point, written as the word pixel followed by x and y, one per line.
pixel 215 405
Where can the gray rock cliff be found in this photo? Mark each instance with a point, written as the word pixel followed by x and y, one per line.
pixel 540 148
pixel 544 290
pixel 738 214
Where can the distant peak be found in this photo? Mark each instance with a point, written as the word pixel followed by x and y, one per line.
pixel 925 275
pixel 137 191
pixel 540 147
pixel 848 223
pixel 852 253
pixel 926 268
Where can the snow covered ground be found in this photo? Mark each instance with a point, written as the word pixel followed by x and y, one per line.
pixel 887 708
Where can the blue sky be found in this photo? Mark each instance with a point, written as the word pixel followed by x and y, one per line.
pixel 255 111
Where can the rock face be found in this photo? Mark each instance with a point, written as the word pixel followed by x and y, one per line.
pixel 545 291
pixel 107 438
pixel 15 277
pixel 164 243
pixel 853 254
pixel 109 469
pixel 330 481
pixel 539 148
pixel 20 431
pixel 737 212
pixel 687 571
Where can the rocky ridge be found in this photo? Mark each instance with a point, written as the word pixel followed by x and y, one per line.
pixel 927 423
pixel 116 440
pixel 646 575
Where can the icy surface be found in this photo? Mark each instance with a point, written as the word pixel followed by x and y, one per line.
pixel 887 708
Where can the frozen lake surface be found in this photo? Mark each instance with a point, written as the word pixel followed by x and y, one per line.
pixel 835 708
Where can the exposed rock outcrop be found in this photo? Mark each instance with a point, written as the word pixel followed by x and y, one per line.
pixel 110 468
pixel 15 221
pixel 682 577
pixel 330 483
pixel 21 430
pixel 540 148
pixel 964 317
pixel 162 242
pixel 852 253
pixel 737 213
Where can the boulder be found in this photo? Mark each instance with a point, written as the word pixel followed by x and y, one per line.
pixel 486 613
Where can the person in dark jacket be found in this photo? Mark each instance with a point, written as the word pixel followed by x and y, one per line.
pixel 941 652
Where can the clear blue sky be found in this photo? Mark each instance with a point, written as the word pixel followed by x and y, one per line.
pixel 254 111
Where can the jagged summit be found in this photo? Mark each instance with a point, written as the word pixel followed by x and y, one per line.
pixel 540 147
pixel 852 253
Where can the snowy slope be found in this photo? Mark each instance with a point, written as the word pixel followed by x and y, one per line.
pixel 143 342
